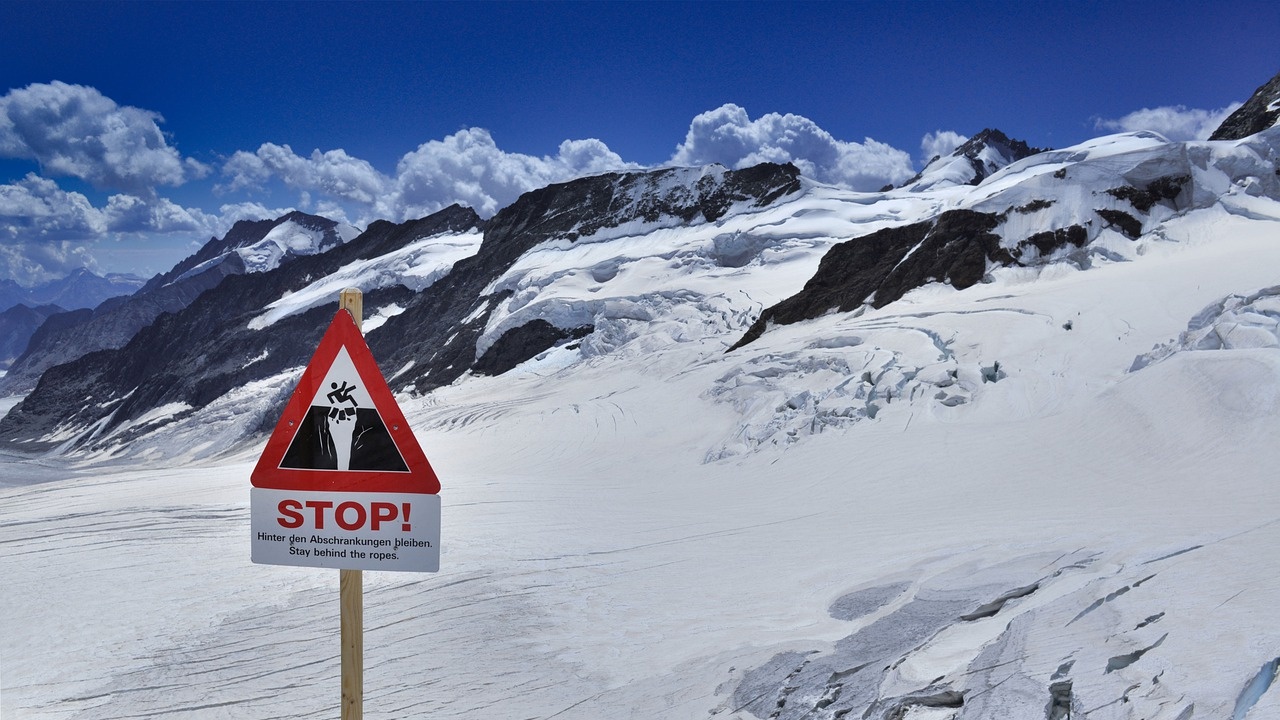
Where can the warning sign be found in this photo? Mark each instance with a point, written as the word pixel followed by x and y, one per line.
pixel 343 482
pixel 342 428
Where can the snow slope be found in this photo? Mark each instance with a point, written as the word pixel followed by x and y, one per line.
pixel 415 266
pixel 859 513
pixel 285 240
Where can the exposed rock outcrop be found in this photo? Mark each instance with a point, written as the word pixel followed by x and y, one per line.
pixel 1260 112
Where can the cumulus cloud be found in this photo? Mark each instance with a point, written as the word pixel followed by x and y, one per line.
pixel 131 214
pixel 469 168
pixel 46 232
pixel 334 173
pixel 36 209
pixel 942 142
pixel 30 264
pixel 76 131
pixel 466 167
pixel 1175 122
pixel 728 136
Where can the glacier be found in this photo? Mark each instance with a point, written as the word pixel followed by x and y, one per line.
pixel 1047 494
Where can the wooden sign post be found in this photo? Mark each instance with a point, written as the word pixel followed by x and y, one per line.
pixel 351 583
pixel 342 483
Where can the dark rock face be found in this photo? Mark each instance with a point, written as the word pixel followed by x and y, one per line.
pixel 1050 240
pixel 1259 112
pixel 957 248
pixel 17 325
pixel 206 350
pixel 877 270
pixel 113 323
pixel 1011 150
pixel 1163 189
pixel 1122 221
pixel 522 343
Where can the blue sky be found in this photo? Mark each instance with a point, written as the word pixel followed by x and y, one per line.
pixel 132 132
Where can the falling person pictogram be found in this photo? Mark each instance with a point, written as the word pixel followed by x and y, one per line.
pixel 337 433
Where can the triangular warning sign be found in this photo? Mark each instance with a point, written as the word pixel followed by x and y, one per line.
pixel 342 429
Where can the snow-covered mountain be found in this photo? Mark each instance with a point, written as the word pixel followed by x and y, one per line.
pixel 436 296
pixel 253 246
pixel 249 247
pixel 971 163
pixel 714 443
pixel 631 263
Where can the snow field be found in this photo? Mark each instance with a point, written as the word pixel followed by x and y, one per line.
pixel 645 526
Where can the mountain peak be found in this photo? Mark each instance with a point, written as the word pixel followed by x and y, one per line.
pixel 245 239
pixel 972 162
pixel 1260 112
pixel 993 138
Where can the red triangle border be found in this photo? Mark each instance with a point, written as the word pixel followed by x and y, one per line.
pixel 420 478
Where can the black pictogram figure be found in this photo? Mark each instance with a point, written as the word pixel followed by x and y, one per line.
pixel 341 395
pixel 316 444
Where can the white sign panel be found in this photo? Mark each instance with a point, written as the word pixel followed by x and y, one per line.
pixel 352 531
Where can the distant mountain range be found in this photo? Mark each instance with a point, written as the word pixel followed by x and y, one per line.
pixel 80 289
pixel 609 264
pixel 250 246
pixel 24 309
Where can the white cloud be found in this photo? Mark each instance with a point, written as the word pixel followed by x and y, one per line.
pixel 728 136
pixel 245 170
pixel 130 214
pixel 46 232
pixel 469 168
pixel 942 142
pixel 34 263
pixel 333 173
pixel 35 209
pixel 466 167
pixel 1175 122
pixel 76 131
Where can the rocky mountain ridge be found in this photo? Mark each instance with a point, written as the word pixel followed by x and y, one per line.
pixel 113 323
pixel 192 357
pixel 17 325
pixel 1260 112
pixel 625 262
